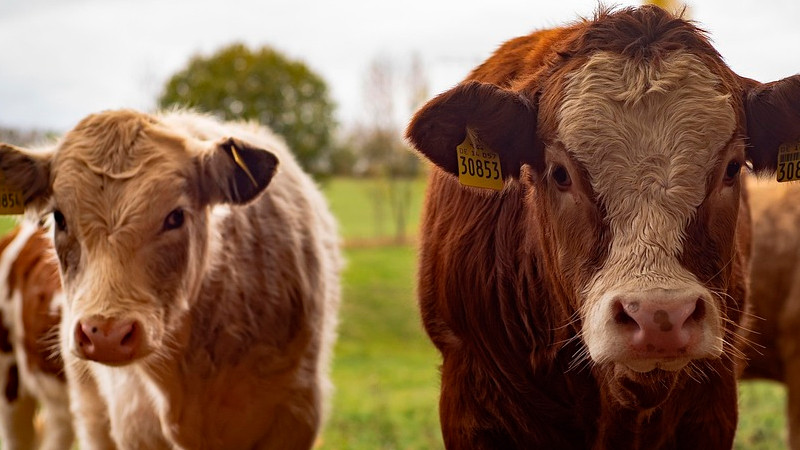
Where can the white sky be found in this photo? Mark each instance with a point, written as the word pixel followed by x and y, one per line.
pixel 63 59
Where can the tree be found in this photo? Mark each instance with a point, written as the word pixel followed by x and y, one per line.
pixel 380 143
pixel 265 86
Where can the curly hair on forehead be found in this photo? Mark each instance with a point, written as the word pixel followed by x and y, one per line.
pixel 119 143
pixel 644 33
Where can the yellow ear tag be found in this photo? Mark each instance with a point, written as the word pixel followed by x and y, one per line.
pixel 10 198
pixel 477 165
pixel 789 162
pixel 241 164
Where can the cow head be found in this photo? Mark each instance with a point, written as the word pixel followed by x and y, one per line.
pixel 630 144
pixel 130 199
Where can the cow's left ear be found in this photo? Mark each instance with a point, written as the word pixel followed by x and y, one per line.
pixel 504 121
pixel 773 119
pixel 235 172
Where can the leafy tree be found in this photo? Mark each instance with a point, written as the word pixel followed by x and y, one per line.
pixel 265 86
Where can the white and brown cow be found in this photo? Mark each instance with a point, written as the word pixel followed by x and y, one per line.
pixel 31 369
pixel 200 281
pixel 594 301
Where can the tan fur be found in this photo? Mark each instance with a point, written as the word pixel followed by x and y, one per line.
pixel 774 349
pixel 237 306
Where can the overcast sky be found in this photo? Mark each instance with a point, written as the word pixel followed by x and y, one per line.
pixel 63 59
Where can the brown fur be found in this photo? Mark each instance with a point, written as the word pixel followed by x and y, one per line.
pixel 501 273
pixel 32 300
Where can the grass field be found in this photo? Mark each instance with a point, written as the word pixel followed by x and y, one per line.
pixel 385 370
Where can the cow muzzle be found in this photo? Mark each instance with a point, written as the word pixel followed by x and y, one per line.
pixel 109 340
pixel 656 329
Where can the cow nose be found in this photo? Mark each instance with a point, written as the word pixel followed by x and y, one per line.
pixel 660 328
pixel 108 340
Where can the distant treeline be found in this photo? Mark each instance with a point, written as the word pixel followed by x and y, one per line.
pixel 23 138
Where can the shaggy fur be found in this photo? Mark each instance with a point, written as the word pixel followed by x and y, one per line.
pixel 622 140
pixel 220 271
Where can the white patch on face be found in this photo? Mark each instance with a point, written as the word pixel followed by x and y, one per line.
pixel 648 134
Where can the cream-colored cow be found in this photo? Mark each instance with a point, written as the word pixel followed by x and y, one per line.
pixel 201 281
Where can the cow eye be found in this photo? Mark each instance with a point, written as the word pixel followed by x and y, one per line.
pixel 561 177
pixel 174 219
pixel 732 171
pixel 61 221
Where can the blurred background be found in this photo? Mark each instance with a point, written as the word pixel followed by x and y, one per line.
pixel 339 80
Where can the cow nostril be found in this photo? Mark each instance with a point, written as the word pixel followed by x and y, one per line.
pixel 130 336
pixel 699 312
pixel 81 337
pixel 621 317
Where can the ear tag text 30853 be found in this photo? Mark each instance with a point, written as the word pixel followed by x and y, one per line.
pixel 788 162
pixel 477 165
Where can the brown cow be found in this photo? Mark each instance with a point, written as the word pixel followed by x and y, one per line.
pixel 594 301
pixel 31 369
pixel 774 348
pixel 200 283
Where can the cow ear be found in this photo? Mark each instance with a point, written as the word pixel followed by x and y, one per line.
pixel 235 172
pixel 27 172
pixel 502 120
pixel 773 119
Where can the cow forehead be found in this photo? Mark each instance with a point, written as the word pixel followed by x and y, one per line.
pixel 670 113
pixel 648 136
pixel 647 133
pixel 117 146
pixel 106 201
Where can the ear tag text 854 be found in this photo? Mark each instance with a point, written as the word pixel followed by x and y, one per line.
pixel 10 198
pixel 477 165
pixel 789 162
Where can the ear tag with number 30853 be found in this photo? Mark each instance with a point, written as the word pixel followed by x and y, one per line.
pixel 477 165
pixel 788 162
pixel 10 198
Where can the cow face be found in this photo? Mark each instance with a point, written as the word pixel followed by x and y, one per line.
pixel 648 160
pixel 632 167
pixel 130 203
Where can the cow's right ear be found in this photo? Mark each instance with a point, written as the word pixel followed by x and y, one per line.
pixel 773 119
pixel 27 172
pixel 503 121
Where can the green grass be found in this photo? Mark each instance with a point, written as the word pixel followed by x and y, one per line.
pixel 762 422
pixel 7 223
pixel 385 369
pixel 363 207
